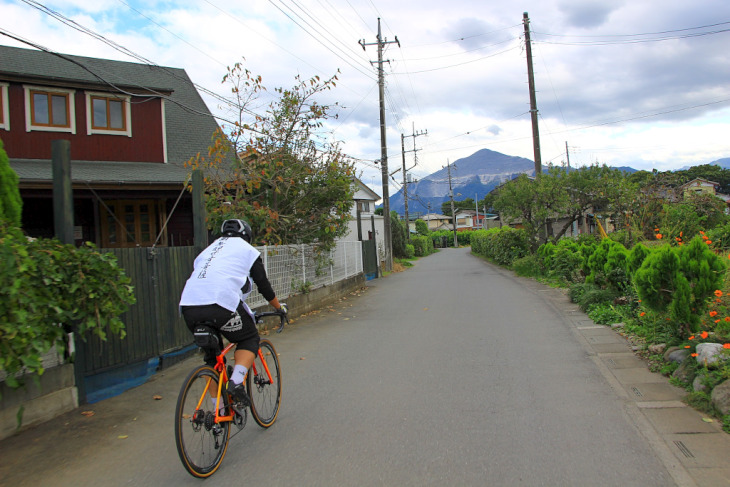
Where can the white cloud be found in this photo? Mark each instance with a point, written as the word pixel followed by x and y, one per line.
pixel 460 71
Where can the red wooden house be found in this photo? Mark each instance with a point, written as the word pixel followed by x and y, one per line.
pixel 131 127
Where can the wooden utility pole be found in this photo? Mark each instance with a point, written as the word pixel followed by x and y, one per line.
pixel 567 155
pixel 383 146
pixel 533 98
pixel 453 211
pixel 63 200
pixel 405 178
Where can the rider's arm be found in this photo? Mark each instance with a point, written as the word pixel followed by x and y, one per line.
pixel 258 274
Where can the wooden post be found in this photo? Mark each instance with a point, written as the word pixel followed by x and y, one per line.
pixel 200 230
pixel 63 200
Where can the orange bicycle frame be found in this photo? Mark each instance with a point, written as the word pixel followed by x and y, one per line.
pixel 220 367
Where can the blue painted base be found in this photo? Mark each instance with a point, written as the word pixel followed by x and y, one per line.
pixel 113 382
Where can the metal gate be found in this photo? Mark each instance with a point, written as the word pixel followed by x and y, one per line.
pixel 369 259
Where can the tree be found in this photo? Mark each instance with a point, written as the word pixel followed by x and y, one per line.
pixel 467 204
pixel 11 205
pixel 558 195
pixel 422 228
pixel 398 235
pixel 286 178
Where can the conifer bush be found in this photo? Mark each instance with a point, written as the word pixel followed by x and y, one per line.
pixel 679 281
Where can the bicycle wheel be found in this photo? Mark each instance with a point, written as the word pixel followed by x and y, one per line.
pixel 201 442
pixel 265 393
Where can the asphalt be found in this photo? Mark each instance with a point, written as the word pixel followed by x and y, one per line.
pixel 89 444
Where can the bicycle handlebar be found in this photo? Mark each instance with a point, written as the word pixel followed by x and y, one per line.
pixel 282 318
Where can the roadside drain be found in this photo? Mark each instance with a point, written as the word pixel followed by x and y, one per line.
pixel 637 391
pixel 683 448
pixel 610 362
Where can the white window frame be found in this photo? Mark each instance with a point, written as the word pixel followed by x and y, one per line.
pixel 126 99
pixel 45 128
pixel 5 124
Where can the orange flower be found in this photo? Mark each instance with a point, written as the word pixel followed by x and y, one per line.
pixel 692 337
pixel 708 242
pixel 704 334
pixel 694 354
pixel 713 313
pixel 642 313
pixel 717 320
pixel 686 346
pixel 638 301
pixel 727 318
pixel 680 233
pixel 659 236
pixel 701 232
pixel 727 345
pixel 656 229
pixel 718 293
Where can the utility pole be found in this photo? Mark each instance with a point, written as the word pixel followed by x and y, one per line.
pixel 405 178
pixel 453 211
pixel 383 146
pixel 533 99
pixel 567 154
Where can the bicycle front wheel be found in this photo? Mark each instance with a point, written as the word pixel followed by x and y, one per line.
pixel 201 442
pixel 265 390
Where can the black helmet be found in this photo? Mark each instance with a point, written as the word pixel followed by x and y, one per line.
pixel 237 228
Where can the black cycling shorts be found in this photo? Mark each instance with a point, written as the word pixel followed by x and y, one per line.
pixel 237 327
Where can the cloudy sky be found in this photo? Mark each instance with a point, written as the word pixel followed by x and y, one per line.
pixel 641 83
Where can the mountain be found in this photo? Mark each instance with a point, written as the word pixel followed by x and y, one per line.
pixel 471 177
pixel 724 163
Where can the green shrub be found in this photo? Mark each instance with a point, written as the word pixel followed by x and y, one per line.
pixel 502 245
pixel 606 314
pixel 422 245
pixel 410 251
pixel 528 266
pixel 43 284
pixel 679 280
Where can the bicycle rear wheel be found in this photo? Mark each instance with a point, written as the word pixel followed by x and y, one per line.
pixel 265 393
pixel 201 442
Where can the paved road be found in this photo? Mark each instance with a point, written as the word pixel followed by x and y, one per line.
pixel 451 373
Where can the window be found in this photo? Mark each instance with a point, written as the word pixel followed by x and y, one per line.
pixel 49 109
pixel 4 110
pixel 108 114
pixel 363 206
pixel 129 223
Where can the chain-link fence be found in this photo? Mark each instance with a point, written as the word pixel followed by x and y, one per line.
pixel 299 268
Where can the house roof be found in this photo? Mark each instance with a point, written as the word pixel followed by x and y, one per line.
pixel 189 122
pixel 363 192
pixel 95 173
pixel 698 181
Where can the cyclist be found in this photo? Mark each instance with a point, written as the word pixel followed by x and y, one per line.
pixel 216 293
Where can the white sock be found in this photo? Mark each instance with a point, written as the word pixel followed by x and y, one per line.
pixel 239 372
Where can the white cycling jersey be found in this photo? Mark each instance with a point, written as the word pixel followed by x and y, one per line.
pixel 220 273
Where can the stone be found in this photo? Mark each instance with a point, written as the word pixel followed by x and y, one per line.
pixel 720 397
pixel 697 384
pixel 709 353
pixel 657 348
pixel 676 354
pixel 685 373
pixel 618 325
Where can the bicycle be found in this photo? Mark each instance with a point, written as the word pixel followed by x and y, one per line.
pixel 204 411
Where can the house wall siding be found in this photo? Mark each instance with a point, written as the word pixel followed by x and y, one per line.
pixel 145 145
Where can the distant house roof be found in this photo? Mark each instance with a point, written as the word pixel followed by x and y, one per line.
pixel 189 123
pixel 700 182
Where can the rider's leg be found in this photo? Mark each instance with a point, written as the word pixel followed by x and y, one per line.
pixel 244 360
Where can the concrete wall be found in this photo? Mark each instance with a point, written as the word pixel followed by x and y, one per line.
pixel 54 394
